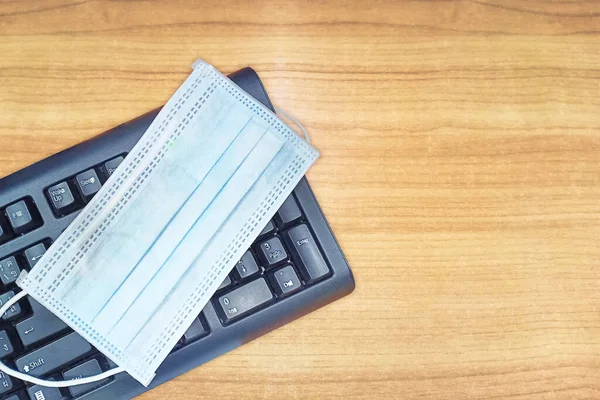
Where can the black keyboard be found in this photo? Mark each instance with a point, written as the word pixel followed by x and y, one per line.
pixel 294 267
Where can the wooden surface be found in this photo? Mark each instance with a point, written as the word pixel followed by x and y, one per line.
pixel 460 171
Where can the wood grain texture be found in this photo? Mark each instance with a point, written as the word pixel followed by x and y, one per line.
pixel 460 171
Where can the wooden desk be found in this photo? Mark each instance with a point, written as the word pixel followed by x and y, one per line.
pixel 460 172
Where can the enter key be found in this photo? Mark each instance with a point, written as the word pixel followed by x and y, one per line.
pixel 40 325
pixel 306 254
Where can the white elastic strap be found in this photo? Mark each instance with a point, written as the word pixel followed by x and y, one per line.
pixel 43 382
pixel 295 121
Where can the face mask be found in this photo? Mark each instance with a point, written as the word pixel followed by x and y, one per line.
pixel 140 262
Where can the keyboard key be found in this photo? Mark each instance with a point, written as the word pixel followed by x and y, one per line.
pixel 269 229
pixel 111 363
pixel 20 217
pixel 226 283
pixel 15 397
pixel 272 252
pixel 241 301
pixel 288 213
pixel 14 310
pixel 246 267
pixel 88 368
pixel 53 355
pixel 40 325
pixel 9 270
pixel 88 184
pixel 306 254
pixel 285 281
pixel 110 166
pixel 34 253
pixel 5 383
pixel 61 198
pixel 5 233
pixel 195 331
pixel 6 347
pixel 37 392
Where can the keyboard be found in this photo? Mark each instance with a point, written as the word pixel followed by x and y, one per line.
pixel 294 267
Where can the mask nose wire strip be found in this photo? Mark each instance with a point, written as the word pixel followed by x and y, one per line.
pixel 296 122
pixel 55 384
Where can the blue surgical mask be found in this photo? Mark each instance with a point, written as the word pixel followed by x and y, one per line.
pixel 140 262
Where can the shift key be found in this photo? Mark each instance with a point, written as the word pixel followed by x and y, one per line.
pixel 53 355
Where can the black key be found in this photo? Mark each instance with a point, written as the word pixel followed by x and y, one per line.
pixel 285 281
pixel 6 347
pixel 225 283
pixel 110 166
pixel 40 325
pixel 88 184
pixel 272 252
pixel 37 392
pixel 53 355
pixel 9 270
pixel 5 232
pixel 269 229
pixel 306 254
pixel 288 213
pixel 246 267
pixel 111 363
pixel 5 383
pixel 241 301
pixel 20 217
pixel 14 310
pixel 195 331
pixel 62 199
pixel 88 368
pixel 34 253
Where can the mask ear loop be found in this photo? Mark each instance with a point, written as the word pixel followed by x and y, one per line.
pixel 42 382
pixel 296 122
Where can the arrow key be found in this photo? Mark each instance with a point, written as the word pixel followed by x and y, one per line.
pixel 34 253
pixel 6 347
pixel 6 383
pixel 9 270
pixel 272 252
pixel 246 267
pixel 14 310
